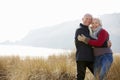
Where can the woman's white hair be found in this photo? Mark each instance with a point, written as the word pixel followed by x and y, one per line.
pixel 100 22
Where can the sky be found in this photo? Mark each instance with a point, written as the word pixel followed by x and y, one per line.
pixel 18 17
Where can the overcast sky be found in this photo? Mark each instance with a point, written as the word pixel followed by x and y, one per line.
pixel 18 17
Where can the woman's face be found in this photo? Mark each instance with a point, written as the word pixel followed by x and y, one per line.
pixel 95 24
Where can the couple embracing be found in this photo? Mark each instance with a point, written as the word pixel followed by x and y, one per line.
pixel 92 48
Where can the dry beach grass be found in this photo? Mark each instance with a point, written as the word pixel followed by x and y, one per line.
pixel 60 67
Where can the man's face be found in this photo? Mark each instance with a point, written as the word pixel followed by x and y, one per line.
pixel 87 20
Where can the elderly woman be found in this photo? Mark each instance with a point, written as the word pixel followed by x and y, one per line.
pixel 102 53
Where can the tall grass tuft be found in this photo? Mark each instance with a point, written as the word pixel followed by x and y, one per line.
pixel 55 67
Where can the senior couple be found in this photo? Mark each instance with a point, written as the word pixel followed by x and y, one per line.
pixel 92 48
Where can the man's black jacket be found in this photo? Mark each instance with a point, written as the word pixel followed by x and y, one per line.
pixel 84 52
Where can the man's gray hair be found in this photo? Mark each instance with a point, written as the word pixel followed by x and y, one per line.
pixel 87 14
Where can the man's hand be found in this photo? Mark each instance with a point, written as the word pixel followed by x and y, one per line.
pixel 109 44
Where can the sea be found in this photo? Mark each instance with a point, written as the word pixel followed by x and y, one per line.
pixel 29 51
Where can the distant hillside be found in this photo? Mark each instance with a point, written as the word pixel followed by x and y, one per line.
pixel 58 36
pixel 62 35
pixel 111 22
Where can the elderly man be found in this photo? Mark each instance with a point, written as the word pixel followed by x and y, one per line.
pixel 84 52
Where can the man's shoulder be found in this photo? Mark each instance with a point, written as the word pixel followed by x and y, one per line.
pixel 78 29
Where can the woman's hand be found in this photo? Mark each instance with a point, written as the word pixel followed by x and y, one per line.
pixel 81 38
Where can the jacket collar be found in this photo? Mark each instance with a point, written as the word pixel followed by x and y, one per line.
pixel 82 25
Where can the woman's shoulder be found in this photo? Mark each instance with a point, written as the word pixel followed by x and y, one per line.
pixel 104 31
